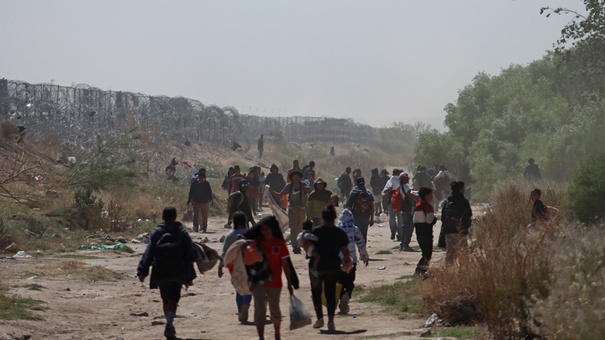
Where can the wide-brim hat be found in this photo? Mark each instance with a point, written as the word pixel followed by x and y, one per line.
pixel 320 181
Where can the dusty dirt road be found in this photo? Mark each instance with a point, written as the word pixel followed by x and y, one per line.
pixel 82 309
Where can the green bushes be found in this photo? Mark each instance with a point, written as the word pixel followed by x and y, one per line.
pixel 587 194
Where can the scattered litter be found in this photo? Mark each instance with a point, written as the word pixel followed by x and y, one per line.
pixel 157 322
pixel 93 246
pixel 32 278
pixel 426 334
pixel 10 246
pixel 21 254
pixel 139 313
pixel 431 320
pixel 144 237
pixel 381 226
pixel 382 267
pixel 407 264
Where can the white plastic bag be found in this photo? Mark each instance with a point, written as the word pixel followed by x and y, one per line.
pixel 299 314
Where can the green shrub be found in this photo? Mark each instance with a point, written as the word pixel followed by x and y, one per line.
pixel 587 194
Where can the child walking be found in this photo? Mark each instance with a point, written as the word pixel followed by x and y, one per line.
pixel 424 220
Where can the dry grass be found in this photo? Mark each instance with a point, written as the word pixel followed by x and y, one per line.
pixel 76 270
pixel 506 269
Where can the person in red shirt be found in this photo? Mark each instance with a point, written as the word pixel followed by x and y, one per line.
pixel 424 220
pixel 269 237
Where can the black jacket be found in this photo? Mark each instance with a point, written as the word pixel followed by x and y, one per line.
pixel 200 192
pixel 189 255
pixel 456 215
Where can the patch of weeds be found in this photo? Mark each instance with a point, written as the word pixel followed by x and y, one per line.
pixel 97 273
pixel 384 252
pixel 399 298
pixel 461 332
pixel 78 256
pixel 388 335
pixel 395 248
pixel 35 287
pixel 126 249
pixel 16 308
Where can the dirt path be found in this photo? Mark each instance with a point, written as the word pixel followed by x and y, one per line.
pixel 84 309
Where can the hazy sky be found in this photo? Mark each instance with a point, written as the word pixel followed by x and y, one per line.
pixel 373 61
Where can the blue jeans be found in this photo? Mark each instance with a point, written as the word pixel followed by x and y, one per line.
pixel 395 221
pixel 407 229
pixel 242 300
pixel 363 223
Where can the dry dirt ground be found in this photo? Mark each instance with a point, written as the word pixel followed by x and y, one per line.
pixel 78 308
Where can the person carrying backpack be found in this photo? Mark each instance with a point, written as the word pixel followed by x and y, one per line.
pixel 395 217
pixel 170 252
pixel 361 204
pixel 455 221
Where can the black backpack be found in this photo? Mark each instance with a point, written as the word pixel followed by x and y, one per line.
pixel 451 218
pixel 363 204
pixel 168 264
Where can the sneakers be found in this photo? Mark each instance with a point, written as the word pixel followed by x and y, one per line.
pixel 392 237
pixel 170 332
pixel 242 316
pixel 296 251
pixel 319 323
pixel 331 326
pixel 196 228
pixel 344 304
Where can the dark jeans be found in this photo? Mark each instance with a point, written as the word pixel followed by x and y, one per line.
pixel 348 281
pixel 395 222
pixel 328 279
pixel 407 229
pixel 386 204
pixel 363 223
pixel 170 292
pixel 424 235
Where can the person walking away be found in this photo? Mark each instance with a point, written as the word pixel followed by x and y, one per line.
pixel 532 171
pixel 295 167
pixel 442 181
pixel 238 201
pixel 345 184
pixel 395 217
pixel 253 188
pixel 297 201
pixel 375 184
pixel 260 144
pixel 424 220
pixel 407 213
pixel 331 242
pixel 318 200
pixel 384 178
pixel 422 179
pixel 308 168
pixel 456 221
pixel 235 179
pixel 276 181
pixel 355 175
pixel 200 195
pixel 361 204
pixel 270 240
pixel 170 252
pixel 347 224
pixel 240 227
